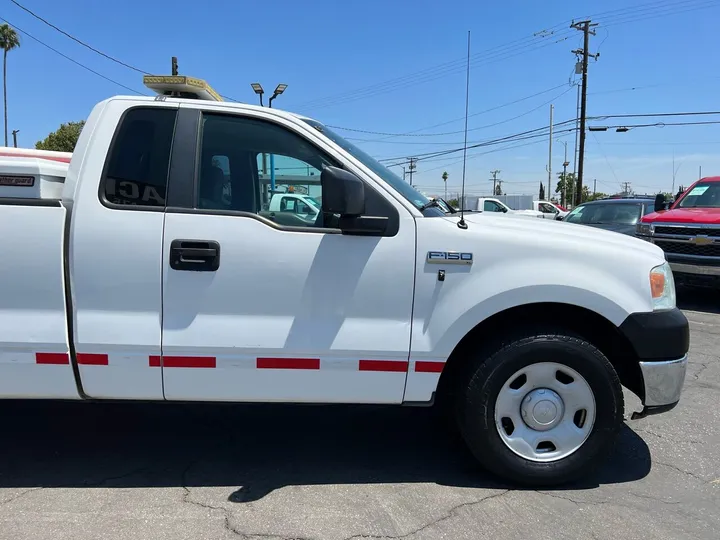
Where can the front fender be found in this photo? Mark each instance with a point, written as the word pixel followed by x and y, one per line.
pixel 445 311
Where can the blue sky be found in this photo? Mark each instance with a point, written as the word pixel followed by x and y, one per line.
pixel 397 66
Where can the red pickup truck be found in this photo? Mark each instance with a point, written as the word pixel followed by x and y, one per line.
pixel 689 233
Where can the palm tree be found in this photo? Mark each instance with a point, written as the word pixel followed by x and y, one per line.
pixel 9 40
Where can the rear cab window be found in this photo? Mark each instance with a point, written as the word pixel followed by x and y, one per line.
pixel 136 171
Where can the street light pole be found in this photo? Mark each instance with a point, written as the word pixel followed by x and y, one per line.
pixel 563 193
pixel 279 89
pixel 14 134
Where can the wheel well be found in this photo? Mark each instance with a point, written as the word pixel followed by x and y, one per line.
pixel 587 324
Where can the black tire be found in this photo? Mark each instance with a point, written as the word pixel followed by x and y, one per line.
pixel 485 377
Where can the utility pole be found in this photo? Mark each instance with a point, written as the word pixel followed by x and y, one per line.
pixel 594 186
pixel 585 27
pixel 494 179
pixel 626 188
pixel 675 170
pixel 14 134
pixel 549 166
pixel 411 167
pixel 174 68
pixel 563 192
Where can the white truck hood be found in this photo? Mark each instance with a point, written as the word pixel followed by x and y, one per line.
pixel 559 231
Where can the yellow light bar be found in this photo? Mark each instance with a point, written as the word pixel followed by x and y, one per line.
pixel 190 86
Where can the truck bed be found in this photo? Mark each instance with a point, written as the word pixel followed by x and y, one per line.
pixel 34 352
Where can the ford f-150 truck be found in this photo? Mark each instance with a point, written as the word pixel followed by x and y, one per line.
pixel 689 233
pixel 139 280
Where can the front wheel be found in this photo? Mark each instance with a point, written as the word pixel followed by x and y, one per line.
pixel 543 409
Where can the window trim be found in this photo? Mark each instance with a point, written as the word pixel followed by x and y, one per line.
pixel 114 141
pixel 257 217
pixel 393 214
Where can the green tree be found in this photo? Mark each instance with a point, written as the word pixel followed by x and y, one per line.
pixel 498 189
pixel 454 203
pixel 62 140
pixel 9 40
pixel 593 196
pixel 542 191
pixel 566 187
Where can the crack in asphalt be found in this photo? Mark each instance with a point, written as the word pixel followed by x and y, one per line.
pixel 653 498
pixel 452 512
pixel 20 495
pixel 703 367
pixel 678 469
pixel 570 499
pixel 666 438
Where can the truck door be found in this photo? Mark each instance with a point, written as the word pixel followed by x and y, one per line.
pixel 115 250
pixel 258 308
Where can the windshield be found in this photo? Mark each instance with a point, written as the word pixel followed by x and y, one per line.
pixel 313 202
pixel 606 213
pixel 397 183
pixel 703 195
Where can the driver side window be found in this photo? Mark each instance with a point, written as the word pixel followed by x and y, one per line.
pixel 491 206
pixel 262 163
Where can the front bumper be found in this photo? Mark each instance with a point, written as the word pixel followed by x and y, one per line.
pixel 698 269
pixel 663 382
pixel 661 340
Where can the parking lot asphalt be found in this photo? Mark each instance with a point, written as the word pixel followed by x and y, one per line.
pixel 157 471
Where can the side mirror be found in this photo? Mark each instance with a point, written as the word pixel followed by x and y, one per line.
pixel 659 202
pixel 342 192
pixel 558 218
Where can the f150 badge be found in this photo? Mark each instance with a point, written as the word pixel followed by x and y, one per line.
pixel 449 257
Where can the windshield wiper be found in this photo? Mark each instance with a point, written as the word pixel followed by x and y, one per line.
pixel 430 204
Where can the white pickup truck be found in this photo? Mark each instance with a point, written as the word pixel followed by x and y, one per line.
pixel 138 280
pixel 486 204
pixel 549 209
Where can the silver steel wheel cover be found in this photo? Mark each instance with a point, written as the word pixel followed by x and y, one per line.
pixel 545 412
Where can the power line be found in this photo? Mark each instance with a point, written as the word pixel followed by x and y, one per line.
pixel 88 46
pixel 18 4
pixel 500 52
pixel 71 59
pixel 489 141
pixel 414 133
pixel 477 128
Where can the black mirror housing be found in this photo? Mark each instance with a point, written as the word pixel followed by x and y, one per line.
pixel 659 202
pixel 558 217
pixel 342 192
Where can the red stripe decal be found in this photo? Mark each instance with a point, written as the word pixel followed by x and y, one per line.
pixel 155 361
pixel 188 361
pixel 288 363
pixel 383 365
pixel 429 367
pixel 87 359
pixel 52 358
pixel 37 156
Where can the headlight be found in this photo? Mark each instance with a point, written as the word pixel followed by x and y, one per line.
pixel 644 229
pixel 662 287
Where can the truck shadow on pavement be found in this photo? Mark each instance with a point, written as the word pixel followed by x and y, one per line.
pixel 251 449
pixel 703 300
